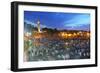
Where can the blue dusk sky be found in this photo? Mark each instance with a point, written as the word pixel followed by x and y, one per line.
pixel 59 20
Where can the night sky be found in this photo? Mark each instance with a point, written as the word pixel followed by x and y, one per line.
pixel 59 20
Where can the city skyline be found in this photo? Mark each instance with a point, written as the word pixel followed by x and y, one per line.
pixel 58 20
pixel 50 36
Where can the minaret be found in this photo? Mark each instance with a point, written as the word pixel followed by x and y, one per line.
pixel 38 25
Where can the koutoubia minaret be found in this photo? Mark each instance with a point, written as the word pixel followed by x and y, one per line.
pixel 38 25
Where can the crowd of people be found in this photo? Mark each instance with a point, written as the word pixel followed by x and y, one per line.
pixel 58 49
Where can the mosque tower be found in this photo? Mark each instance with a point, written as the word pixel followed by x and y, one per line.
pixel 38 25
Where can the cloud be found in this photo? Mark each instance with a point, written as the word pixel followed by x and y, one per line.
pixel 78 20
pixel 32 23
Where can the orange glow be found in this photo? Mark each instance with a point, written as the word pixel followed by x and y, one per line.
pixel 88 34
pixel 63 34
pixel 69 35
pixel 74 34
